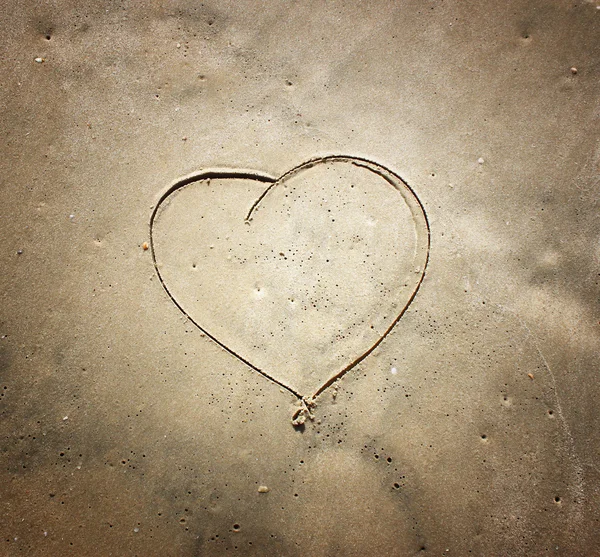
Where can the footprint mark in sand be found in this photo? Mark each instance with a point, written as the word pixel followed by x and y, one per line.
pixel 300 277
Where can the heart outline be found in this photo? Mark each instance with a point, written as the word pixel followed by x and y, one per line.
pixel 408 194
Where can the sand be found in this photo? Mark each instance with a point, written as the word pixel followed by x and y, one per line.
pixel 435 326
pixel 299 277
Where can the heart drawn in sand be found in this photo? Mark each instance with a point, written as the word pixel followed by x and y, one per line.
pixel 300 277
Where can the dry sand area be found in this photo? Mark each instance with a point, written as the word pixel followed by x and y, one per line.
pixel 300 278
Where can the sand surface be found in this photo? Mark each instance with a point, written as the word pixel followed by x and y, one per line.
pixel 381 217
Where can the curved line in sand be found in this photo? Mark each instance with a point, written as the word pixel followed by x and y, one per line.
pixel 409 195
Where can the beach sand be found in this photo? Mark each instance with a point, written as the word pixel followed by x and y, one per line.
pixel 377 219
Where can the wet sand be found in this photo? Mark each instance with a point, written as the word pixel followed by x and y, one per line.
pixel 148 381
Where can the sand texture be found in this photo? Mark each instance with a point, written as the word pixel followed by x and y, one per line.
pixel 378 220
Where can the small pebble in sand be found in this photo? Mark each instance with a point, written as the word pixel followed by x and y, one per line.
pixel 136 530
pixel 480 160
pixel 574 70
pixel 530 375
pixel 65 418
pixel 39 60
pixel 184 138
pixel 263 489
pixel 145 246
pixel 19 251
